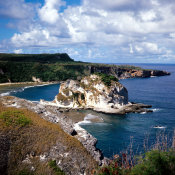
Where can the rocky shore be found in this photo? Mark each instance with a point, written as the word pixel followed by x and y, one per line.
pixel 124 73
pixel 55 115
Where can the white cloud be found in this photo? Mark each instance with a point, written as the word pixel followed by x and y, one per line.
pixel 130 48
pixel 120 5
pixel 148 16
pixel 17 51
pixel 172 35
pixel 16 9
pixel 148 48
pixel 124 27
pixel 49 12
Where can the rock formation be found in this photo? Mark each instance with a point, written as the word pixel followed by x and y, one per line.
pixel 37 80
pixel 124 73
pixel 93 93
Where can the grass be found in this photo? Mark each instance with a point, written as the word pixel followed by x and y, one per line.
pixel 27 133
pixel 15 118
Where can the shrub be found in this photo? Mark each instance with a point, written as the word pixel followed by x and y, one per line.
pixel 107 79
pixel 160 160
pixel 156 162
pixel 25 172
pixel 56 169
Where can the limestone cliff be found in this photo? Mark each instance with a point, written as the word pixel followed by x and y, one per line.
pixel 124 72
pixel 92 92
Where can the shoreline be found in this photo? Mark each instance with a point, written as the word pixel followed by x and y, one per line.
pixel 29 83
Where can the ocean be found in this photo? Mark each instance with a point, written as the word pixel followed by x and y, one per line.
pixel 118 132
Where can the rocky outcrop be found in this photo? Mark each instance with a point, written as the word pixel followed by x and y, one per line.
pixel 58 152
pixel 159 73
pixel 37 80
pixel 124 73
pixel 92 93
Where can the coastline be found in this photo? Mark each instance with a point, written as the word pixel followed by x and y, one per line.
pixel 29 83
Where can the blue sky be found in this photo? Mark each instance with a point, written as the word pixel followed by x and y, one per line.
pixel 117 31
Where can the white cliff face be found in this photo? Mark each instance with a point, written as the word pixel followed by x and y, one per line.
pixel 91 92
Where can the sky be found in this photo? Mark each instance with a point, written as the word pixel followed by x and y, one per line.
pixel 106 31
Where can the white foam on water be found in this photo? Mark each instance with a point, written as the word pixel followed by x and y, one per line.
pixel 84 122
pixel 159 127
pixel 90 116
pixel 156 109
pixel 143 112
pixel 5 94
pixel 21 89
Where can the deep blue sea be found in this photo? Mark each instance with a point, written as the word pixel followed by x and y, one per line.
pixel 118 131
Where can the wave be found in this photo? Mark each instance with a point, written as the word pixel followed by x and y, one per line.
pixel 90 118
pixel 5 94
pixel 20 90
pixel 156 109
pixel 143 112
pixel 84 122
pixel 159 127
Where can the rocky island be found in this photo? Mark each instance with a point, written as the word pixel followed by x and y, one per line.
pixel 99 92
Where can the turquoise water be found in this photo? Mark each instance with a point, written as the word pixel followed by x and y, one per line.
pixel 117 131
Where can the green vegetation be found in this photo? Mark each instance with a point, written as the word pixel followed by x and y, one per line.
pixel 23 72
pixel 14 118
pixel 25 172
pixel 107 79
pixel 47 67
pixel 154 162
pixel 160 160
pixel 56 169
pixel 42 58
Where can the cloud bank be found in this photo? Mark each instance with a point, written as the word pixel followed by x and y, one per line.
pixel 98 30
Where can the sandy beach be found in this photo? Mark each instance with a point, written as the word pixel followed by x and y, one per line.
pixel 28 83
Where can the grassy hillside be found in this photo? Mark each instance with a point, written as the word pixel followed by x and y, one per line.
pixel 23 134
